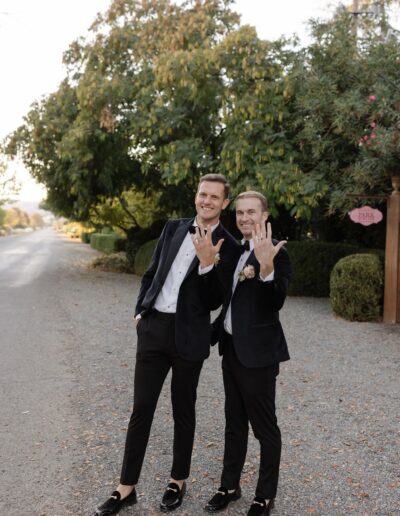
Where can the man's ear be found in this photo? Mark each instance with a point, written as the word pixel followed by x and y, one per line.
pixel 225 203
pixel 265 216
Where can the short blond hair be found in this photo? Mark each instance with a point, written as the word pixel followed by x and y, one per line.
pixel 256 195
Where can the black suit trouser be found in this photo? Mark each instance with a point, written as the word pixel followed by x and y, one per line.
pixel 250 397
pixel 156 355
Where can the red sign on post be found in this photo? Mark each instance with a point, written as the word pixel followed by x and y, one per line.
pixel 366 215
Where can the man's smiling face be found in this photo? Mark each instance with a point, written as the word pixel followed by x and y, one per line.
pixel 249 213
pixel 210 201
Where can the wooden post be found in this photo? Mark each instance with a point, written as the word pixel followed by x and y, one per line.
pixel 391 305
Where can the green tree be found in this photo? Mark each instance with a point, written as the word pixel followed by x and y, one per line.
pixel 2 216
pixel 16 218
pixel 195 94
pixel 103 132
pixel 333 85
pixel 258 149
pixel 159 94
pixel 67 150
pixel 132 208
pixel 149 73
pixel 8 182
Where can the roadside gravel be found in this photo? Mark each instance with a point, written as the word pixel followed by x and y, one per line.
pixel 338 407
pixel 337 403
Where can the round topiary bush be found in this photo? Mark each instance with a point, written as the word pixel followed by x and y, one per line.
pixel 356 287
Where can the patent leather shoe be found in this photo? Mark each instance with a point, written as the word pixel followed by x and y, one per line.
pixel 114 503
pixel 222 498
pixel 173 496
pixel 261 507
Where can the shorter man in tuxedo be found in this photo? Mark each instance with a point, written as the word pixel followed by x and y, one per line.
pixel 252 343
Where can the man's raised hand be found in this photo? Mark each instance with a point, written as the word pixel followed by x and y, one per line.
pixel 264 249
pixel 206 251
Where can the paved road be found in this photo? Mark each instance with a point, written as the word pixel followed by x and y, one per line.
pixel 67 352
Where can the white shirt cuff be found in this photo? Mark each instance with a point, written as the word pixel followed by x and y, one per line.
pixel 205 269
pixel 137 317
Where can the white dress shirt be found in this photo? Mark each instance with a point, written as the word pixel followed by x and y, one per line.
pixel 168 297
pixel 239 267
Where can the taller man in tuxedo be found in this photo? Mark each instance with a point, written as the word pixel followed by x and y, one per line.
pixel 252 343
pixel 183 283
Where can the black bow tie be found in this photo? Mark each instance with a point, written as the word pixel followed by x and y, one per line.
pixel 245 246
pixel 192 230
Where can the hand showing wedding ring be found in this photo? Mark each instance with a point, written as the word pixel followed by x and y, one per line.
pixel 206 251
pixel 264 249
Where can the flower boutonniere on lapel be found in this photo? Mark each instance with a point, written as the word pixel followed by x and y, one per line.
pixel 217 259
pixel 247 272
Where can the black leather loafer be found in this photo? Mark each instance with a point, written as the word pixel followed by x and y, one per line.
pixel 260 506
pixel 172 498
pixel 222 498
pixel 114 503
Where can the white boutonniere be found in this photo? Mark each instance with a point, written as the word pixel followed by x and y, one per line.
pixel 217 259
pixel 247 272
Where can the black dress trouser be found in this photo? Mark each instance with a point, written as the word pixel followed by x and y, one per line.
pixel 250 397
pixel 156 355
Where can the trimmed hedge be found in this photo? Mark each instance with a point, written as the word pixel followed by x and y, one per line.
pixel 85 236
pixel 143 256
pixel 139 236
pixel 108 243
pixel 357 287
pixel 312 263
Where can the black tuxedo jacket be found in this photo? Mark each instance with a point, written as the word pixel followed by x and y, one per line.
pixel 198 294
pixel 257 333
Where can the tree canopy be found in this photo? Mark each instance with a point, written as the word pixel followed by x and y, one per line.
pixel 8 183
pixel 158 94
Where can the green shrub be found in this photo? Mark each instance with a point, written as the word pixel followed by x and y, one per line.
pixel 139 236
pixel 109 243
pixel 2 216
pixel 85 236
pixel 116 262
pixel 120 245
pixel 357 287
pixel 143 256
pixel 312 263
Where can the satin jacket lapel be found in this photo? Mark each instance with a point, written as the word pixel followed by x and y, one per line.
pixel 217 234
pixel 251 260
pixel 176 243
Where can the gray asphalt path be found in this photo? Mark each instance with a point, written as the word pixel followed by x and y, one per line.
pixel 67 347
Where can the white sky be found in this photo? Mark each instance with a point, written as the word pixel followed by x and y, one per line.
pixel 35 33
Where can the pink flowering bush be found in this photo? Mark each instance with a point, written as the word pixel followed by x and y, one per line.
pixel 380 143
